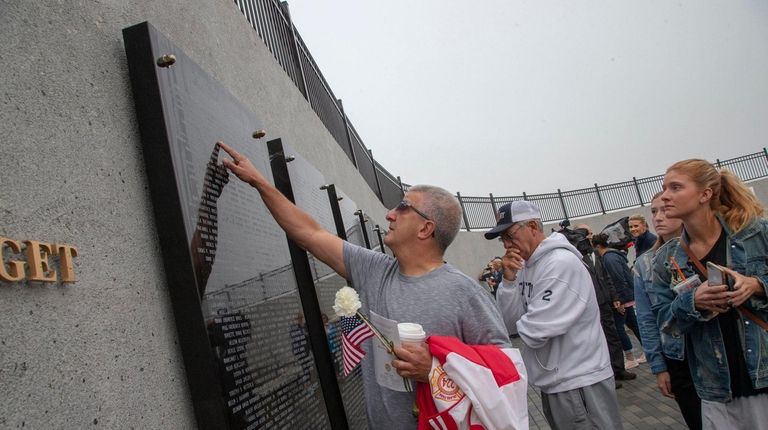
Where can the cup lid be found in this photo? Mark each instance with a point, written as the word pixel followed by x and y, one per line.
pixel 411 330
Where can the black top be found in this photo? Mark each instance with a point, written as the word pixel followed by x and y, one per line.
pixel 644 242
pixel 741 384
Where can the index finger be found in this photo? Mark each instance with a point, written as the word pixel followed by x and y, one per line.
pixel 232 153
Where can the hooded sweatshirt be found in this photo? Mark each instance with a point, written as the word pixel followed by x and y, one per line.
pixel 552 304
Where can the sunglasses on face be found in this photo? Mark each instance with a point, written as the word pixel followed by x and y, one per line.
pixel 509 236
pixel 404 204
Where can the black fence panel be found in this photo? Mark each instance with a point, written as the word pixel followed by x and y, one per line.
pixel 391 194
pixel 748 167
pixel 619 196
pixel 550 205
pixel 582 202
pixel 479 212
pixel 649 187
pixel 267 17
pixel 364 162
pixel 322 99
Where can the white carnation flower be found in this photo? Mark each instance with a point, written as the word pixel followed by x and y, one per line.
pixel 347 302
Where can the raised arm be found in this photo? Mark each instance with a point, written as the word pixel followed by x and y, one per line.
pixel 297 224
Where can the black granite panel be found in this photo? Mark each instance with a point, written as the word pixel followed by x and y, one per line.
pixel 248 356
pixel 310 191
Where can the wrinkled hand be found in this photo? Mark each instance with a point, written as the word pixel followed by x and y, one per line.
pixel 664 382
pixel 241 166
pixel 711 298
pixel 511 262
pixel 744 287
pixel 415 361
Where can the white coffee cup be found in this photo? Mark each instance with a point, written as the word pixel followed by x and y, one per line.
pixel 411 333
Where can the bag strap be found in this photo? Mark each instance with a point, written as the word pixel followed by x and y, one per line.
pixel 744 311
pixel 693 258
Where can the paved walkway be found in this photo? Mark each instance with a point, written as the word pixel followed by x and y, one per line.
pixel 642 406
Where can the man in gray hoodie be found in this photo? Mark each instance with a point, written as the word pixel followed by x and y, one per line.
pixel 547 295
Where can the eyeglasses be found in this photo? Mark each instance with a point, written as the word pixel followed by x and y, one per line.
pixel 405 204
pixel 510 236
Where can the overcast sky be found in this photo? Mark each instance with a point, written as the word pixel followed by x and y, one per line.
pixel 509 96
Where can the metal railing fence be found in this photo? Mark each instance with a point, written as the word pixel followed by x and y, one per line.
pixel 271 20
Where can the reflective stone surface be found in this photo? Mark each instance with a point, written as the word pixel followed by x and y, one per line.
pixel 240 318
pixel 307 183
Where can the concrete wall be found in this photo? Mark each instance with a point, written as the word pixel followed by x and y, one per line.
pixel 103 351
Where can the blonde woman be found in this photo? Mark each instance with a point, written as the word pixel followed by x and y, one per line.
pixel 727 350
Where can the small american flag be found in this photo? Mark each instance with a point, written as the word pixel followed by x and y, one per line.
pixel 353 333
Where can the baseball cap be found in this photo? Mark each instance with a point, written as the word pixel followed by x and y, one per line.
pixel 511 213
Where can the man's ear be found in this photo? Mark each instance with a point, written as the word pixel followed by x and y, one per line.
pixel 427 230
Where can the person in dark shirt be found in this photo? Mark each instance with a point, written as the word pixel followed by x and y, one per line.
pixel 607 301
pixel 613 264
pixel 644 239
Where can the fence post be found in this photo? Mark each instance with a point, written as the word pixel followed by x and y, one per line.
pixel 400 183
pixel 361 216
pixel 493 205
pixel 599 198
pixel 717 162
pixel 562 203
pixel 295 51
pixel 376 175
pixel 765 153
pixel 377 229
pixel 637 187
pixel 525 197
pixel 346 131
pixel 463 211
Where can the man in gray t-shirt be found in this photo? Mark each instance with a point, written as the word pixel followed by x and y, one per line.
pixel 444 301
pixel 416 286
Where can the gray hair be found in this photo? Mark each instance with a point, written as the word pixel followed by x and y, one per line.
pixel 539 224
pixel 444 209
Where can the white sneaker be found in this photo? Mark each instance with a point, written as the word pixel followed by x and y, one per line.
pixel 641 358
pixel 630 364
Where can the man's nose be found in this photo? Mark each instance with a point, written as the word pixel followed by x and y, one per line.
pixel 390 215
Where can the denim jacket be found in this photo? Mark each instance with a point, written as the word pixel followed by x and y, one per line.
pixel 656 344
pixel 747 253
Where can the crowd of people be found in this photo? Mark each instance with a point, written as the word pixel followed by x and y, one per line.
pixel 569 301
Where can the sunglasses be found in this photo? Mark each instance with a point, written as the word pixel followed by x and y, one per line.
pixel 510 236
pixel 404 204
